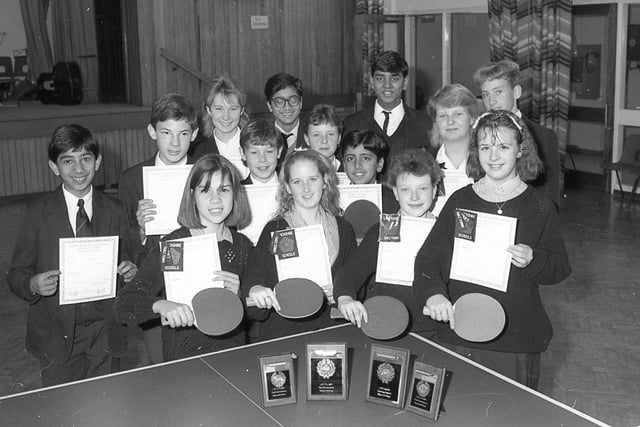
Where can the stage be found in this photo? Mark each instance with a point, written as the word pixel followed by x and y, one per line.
pixel 224 388
pixel 25 130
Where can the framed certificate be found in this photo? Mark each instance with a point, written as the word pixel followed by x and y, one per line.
pixel 327 371
pixel 425 390
pixel 387 375
pixel 278 379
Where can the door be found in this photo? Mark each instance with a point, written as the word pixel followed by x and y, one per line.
pixel 592 94
pixel 385 30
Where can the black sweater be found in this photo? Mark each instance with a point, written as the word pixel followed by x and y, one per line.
pixel 528 329
pixel 135 301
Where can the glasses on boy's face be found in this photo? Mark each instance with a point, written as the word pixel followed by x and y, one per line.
pixel 279 102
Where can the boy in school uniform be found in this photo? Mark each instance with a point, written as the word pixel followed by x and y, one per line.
pixel 498 82
pixel 73 341
pixel 400 126
pixel 260 147
pixel 173 126
pixel 322 132
pixel 284 100
pixel 363 155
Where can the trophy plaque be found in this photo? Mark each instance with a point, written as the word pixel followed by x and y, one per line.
pixel 387 375
pixel 327 371
pixel 278 379
pixel 426 390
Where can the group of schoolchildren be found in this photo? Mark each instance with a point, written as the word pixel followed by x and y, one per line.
pixel 410 152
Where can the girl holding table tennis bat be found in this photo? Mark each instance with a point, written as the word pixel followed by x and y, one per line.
pixel 502 158
pixel 308 195
pixel 212 202
pixel 413 175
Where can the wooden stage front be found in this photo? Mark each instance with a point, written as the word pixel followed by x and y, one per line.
pixel 24 135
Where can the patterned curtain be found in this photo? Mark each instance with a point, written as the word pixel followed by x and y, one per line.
pixel 372 39
pixel 536 34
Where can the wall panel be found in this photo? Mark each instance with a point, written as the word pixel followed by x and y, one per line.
pixel 311 39
pixel 24 164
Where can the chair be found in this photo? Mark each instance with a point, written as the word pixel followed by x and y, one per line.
pixel 7 97
pixel 629 162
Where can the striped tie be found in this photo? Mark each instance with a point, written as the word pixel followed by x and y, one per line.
pixel 385 126
pixel 83 225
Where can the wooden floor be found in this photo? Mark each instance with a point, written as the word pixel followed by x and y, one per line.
pixel 593 363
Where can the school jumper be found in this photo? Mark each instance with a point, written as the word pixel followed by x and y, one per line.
pixel 134 304
pixel 262 271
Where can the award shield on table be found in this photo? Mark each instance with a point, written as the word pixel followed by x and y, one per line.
pixel 327 371
pixel 387 375
pixel 278 379
pixel 426 390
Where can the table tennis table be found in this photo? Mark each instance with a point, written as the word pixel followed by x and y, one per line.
pixel 224 389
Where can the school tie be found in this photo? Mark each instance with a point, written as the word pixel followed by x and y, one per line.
pixel 286 136
pixel 83 225
pixel 386 121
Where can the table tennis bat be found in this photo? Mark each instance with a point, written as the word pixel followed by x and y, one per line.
pixel 478 317
pixel 298 298
pixel 387 317
pixel 362 214
pixel 217 311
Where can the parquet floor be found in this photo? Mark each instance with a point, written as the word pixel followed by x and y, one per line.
pixel 593 362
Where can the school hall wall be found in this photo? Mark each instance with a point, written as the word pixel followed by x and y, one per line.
pixel 311 39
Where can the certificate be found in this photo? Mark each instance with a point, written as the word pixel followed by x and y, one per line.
pixel 480 245
pixel 370 192
pixel 343 178
pixel 164 185
pixel 311 261
pixel 263 203
pixel 396 259
pixel 89 268
pixel 452 181
pixel 197 258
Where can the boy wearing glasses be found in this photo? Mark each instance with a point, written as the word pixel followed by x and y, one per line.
pixel 284 99
pixel 400 126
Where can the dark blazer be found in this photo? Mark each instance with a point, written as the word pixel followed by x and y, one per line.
pixel 203 145
pixel 51 326
pixel 413 131
pixel 300 142
pixel 547 142
pixel 130 191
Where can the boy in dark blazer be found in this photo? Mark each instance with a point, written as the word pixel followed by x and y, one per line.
pixel 283 93
pixel 72 341
pixel 173 126
pixel 498 82
pixel 401 127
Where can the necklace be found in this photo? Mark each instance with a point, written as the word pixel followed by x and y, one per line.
pixel 500 205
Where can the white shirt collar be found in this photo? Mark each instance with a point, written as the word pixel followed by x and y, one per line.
pixel 273 180
pixel 71 201
pixel 294 133
pixel 441 157
pixel 159 162
pixel 396 116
